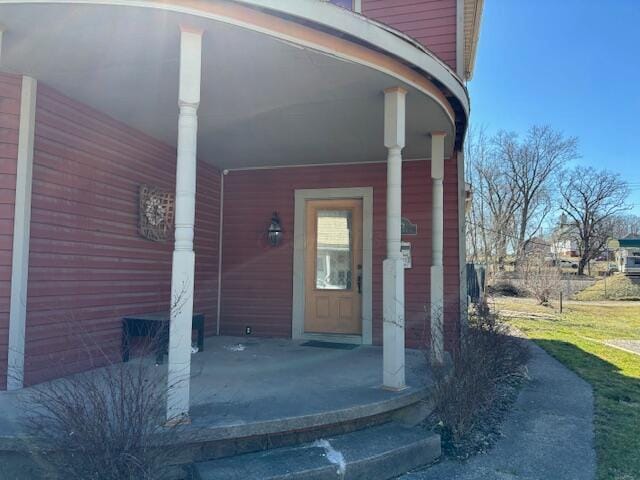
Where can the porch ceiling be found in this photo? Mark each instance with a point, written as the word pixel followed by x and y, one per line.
pixel 264 101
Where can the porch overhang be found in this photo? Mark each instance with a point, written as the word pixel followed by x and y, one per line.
pixel 283 83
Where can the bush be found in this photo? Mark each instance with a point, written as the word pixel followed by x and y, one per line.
pixel 540 278
pixel 488 356
pixel 102 425
pixel 506 288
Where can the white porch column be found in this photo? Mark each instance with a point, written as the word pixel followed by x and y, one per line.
pixel 182 275
pixel 393 270
pixel 437 240
pixel 21 236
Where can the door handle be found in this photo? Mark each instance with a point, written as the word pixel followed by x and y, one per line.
pixel 360 279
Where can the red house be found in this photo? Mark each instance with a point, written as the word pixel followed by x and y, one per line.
pixel 288 168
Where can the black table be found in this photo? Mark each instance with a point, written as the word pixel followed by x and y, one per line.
pixel 156 326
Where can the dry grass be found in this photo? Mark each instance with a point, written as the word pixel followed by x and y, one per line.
pixel 616 287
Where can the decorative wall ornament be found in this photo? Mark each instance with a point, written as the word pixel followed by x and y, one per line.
pixel 156 213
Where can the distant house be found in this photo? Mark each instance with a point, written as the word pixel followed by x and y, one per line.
pixel 566 247
pixel 628 254
pixel 538 245
pixel 564 243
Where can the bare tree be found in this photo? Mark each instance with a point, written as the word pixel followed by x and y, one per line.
pixel 592 199
pixel 494 202
pixel 532 165
pixel 623 225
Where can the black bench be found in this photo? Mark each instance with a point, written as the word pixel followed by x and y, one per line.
pixel 156 326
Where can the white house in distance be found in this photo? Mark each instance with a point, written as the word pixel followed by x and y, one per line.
pixel 627 254
pixel 564 242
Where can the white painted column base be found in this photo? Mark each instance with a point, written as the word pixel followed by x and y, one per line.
pixel 437 315
pixel 437 248
pixel 179 370
pixel 393 376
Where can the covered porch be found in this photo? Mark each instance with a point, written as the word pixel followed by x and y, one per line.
pixel 246 87
pixel 257 390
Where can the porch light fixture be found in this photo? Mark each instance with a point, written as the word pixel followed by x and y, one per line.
pixel 274 231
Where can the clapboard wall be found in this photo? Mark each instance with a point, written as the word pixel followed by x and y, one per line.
pixel 431 22
pixel 257 278
pixel 88 266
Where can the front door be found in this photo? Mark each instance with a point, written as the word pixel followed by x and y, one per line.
pixel 333 267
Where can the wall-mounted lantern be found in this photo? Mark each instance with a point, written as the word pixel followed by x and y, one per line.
pixel 275 230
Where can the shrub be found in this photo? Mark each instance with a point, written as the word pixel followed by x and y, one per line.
pixel 540 278
pixel 102 425
pixel 488 355
pixel 506 289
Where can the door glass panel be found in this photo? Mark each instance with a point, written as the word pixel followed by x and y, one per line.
pixel 333 250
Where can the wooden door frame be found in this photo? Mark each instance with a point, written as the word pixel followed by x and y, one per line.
pixel 299 241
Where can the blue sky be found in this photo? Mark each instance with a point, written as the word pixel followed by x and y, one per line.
pixel 572 64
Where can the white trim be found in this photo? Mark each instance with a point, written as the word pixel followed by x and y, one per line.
pixel 462 241
pixel 1 37
pixel 21 236
pixel 299 241
pixel 374 33
pixel 300 165
pixel 460 38
pixel 357 6
pixel 221 216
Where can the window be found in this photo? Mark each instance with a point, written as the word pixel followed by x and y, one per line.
pixel 333 250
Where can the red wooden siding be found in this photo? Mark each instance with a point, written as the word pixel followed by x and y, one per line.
pixel 257 278
pixel 9 124
pixel 431 22
pixel 88 266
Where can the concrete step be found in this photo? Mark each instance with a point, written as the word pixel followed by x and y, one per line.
pixel 200 444
pixel 379 453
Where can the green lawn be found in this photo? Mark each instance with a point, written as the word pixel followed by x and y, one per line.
pixel 575 338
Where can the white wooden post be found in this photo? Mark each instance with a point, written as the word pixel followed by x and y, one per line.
pixel 437 240
pixel 1 37
pixel 182 274
pixel 393 377
pixel 21 236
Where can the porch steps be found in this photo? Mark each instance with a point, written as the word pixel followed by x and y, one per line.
pixel 198 444
pixel 381 452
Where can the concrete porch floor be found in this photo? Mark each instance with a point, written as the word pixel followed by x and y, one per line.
pixel 243 387
pixel 281 379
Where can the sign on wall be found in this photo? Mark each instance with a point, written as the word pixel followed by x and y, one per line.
pixel 405 250
pixel 408 228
